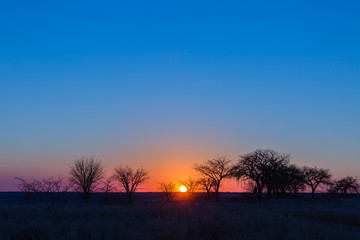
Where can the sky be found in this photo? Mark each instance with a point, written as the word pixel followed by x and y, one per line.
pixel 166 84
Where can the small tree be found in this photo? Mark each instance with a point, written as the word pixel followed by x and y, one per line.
pixel 313 177
pixel 207 185
pixel 346 185
pixel 130 179
pixel 85 175
pixel 216 169
pixel 168 189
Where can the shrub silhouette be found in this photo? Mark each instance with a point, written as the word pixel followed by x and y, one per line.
pixel 168 189
pixel 49 191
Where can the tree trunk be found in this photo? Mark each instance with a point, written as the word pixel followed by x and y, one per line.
pixel 217 192
pixel 129 198
pixel 313 193
pixel 259 191
pixel 208 192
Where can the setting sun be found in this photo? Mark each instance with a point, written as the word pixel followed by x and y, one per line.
pixel 183 189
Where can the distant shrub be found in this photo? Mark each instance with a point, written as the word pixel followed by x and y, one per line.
pixel 49 191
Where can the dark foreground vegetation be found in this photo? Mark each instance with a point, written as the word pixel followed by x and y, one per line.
pixel 233 218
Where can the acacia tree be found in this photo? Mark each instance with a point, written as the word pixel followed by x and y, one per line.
pixel 216 170
pixel 130 179
pixel 313 177
pixel 263 168
pixel 168 189
pixel 85 175
pixel 346 185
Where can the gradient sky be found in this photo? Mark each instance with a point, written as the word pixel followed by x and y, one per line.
pixel 166 84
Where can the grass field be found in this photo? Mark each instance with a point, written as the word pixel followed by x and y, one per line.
pixel 228 219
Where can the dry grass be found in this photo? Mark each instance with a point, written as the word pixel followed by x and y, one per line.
pixel 281 219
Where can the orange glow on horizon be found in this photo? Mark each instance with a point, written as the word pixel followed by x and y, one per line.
pixel 167 160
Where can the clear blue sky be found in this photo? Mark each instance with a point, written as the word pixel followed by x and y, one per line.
pixel 129 81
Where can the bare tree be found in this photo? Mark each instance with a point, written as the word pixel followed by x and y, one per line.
pixel 49 191
pixel 207 185
pixel 263 168
pixel 346 185
pixel 86 175
pixel 130 179
pixel 190 184
pixel 216 169
pixel 314 176
pixel 168 189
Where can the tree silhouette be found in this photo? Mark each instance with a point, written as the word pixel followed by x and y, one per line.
pixel 346 185
pixel 207 185
pixel 85 175
pixel 264 168
pixel 130 179
pixel 286 178
pixel 314 176
pixel 168 189
pixel 216 169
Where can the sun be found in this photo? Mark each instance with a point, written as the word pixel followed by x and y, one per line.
pixel 183 189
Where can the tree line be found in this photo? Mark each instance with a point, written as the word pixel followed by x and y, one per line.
pixel 264 172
